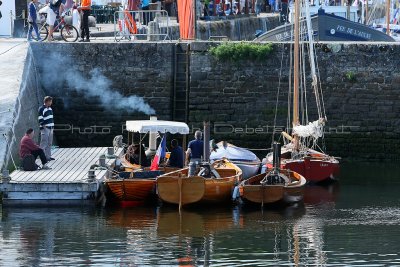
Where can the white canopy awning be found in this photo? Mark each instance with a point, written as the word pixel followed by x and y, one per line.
pixel 154 126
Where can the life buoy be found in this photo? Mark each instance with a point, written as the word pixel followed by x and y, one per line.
pixel 130 23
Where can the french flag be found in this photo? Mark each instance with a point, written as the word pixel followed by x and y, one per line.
pixel 160 154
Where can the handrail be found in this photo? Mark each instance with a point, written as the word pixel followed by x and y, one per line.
pixel 150 25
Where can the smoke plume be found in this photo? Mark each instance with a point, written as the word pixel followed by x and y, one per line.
pixel 59 71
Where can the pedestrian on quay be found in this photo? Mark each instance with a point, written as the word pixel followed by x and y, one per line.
pixel 85 7
pixel 29 151
pixel 56 7
pixel 146 15
pixel 46 122
pixel 32 15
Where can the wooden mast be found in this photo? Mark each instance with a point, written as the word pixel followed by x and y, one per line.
pixel 296 61
pixel 388 17
pixel 366 12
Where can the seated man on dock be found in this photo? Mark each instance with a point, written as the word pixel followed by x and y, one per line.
pixel 176 156
pixel 29 151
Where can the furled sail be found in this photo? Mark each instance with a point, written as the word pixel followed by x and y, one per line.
pixel 314 129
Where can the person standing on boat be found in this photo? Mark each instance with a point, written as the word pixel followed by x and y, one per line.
pixel 46 122
pixel 194 153
pixel 176 156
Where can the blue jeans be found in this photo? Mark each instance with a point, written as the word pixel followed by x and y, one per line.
pixel 35 27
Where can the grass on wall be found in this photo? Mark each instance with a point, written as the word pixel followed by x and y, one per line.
pixel 241 51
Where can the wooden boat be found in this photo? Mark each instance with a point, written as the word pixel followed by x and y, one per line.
pixel 267 189
pixel 316 166
pixel 138 184
pixel 300 154
pixel 178 188
pixel 277 186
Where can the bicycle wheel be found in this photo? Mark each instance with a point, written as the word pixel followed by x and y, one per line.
pixel 69 33
pixel 43 31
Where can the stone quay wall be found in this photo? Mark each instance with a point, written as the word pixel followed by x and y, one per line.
pixel 25 111
pixel 360 85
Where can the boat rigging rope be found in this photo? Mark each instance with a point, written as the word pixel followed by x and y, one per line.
pixel 289 121
pixel 320 87
pixel 277 95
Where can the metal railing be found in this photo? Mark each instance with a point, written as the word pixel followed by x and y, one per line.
pixel 150 25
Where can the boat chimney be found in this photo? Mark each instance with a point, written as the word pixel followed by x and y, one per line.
pixel 206 151
pixel 153 137
pixel 276 156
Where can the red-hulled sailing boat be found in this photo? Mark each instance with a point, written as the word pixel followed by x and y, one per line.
pixel 300 153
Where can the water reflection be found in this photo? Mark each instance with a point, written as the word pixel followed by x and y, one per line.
pixel 335 226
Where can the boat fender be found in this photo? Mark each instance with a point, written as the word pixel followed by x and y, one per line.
pixel 235 193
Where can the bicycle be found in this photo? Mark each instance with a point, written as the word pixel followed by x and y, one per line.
pixel 68 32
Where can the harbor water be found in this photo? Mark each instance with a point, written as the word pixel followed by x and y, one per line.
pixel 355 222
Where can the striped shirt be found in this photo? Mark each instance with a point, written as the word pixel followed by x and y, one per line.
pixel 46 117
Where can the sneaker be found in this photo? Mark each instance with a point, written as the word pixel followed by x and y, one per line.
pixel 81 40
pixel 51 159
pixel 87 41
pixel 45 167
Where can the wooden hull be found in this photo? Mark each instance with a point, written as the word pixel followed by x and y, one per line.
pixel 218 190
pixel 132 189
pixel 253 191
pixel 316 168
pixel 135 189
pixel 177 188
pixel 181 190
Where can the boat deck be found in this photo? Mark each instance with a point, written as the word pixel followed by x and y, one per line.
pixel 67 181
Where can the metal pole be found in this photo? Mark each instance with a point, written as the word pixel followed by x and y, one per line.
pixel 11 23
pixel 206 141
pixel 388 17
pixel 195 19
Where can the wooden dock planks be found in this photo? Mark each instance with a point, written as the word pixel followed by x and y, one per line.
pixel 66 180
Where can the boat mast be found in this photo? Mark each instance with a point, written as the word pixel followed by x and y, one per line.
pixel 296 61
pixel 387 17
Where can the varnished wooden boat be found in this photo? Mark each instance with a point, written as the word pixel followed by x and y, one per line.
pixel 260 191
pixel 177 188
pixel 139 185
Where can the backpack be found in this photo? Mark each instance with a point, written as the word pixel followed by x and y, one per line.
pixel 28 163
pixel 55 5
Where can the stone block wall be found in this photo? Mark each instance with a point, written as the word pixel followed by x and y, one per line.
pixel 94 117
pixel 359 82
pixel 360 90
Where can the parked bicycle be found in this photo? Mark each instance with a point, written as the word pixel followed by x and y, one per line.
pixel 68 32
